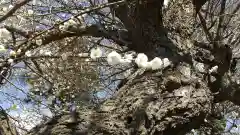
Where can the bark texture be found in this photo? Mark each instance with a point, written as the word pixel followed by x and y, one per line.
pixel 6 126
pixel 169 102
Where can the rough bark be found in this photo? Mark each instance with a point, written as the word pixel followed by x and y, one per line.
pixel 6 126
pixel 169 102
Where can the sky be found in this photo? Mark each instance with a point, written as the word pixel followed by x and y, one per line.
pixel 26 112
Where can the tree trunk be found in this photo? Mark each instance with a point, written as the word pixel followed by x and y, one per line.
pixel 165 103
pixel 6 126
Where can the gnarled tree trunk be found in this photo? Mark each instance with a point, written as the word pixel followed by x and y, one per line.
pixel 166 103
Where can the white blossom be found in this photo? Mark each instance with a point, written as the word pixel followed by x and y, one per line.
pixel 81 18
pixel 39 41
pixel 34 2
pixel 19 51
pixel 66 1
pixel 113 58
pixel 148 65
pixel 127 59
pixel 83 54
pixel 5 9
pixel 64 56
pixel 127 73
pixel 4 33
pixel 142 60
pixel 186 71
pixel 234 114
pixel 48 53
pixel 156 63
pixel 12 53
pixel 28 53
pixel 41 52
pixel 10 61
pixel 87 59
pixel 67 24
pixel 166 62
pixel 205 120
pixel 166 2
pixel 95 53
pixel 213 69
pixel 10 6
pixel 200 67
pixel 72 22
pixel 2 49
pixel 63 27
pixel 188 10
pixel 30 12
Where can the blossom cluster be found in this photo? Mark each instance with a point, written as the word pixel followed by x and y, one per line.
pixel 12 53
pixel 72 22
pixel 4 34
pixel 141 60
pixel 155 64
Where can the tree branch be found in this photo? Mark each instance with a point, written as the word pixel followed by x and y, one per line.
pixel 14 9
pixel 18 31
pixel 221 19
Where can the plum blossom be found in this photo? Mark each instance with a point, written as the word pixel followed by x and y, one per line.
pixel 166 62
pixel 166 2
pixel 67 24
pixel 127 59
pixel 39 41
pixel 114 58
pixel 48 53
pixel 12 53
pixel 200 67
pixel 156 63
pixel 95 53
pixel 5 9
pixel 10 61
pixel 63 27
pixel 213 69
pixel 142 61
pixel 19 51
pixel 41 51
pixel 72 22
pixel 4 33
pixel 30 12
pixel 83 54
pixel 2 49
pixel 28 53
pixel 87 60
pixel 128 56
pixel 10 6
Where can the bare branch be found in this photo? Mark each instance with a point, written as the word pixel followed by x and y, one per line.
pixel 221 19
pixel 14 9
